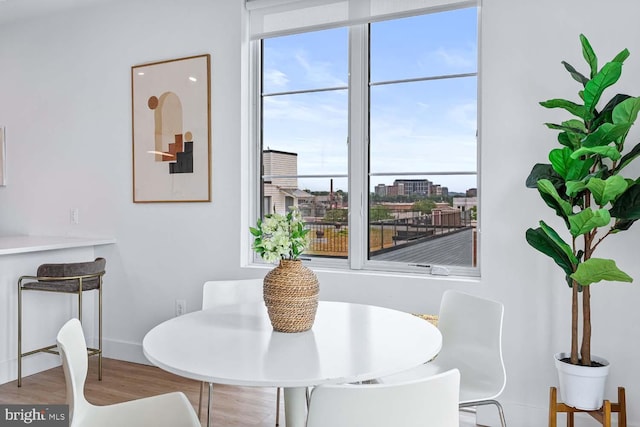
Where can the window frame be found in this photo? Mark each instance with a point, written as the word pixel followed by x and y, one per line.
pixel 359 87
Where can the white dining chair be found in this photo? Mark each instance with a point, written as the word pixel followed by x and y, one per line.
pixel 471 330
pixel 423 402
pixel 165 410
pixel 223 292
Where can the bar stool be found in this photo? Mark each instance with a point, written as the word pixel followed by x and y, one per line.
pixel 70 278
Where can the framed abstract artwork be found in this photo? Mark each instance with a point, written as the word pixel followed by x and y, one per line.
pixel 3 159
pixel 171 120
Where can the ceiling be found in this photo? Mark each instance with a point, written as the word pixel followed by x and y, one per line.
pixel 20 10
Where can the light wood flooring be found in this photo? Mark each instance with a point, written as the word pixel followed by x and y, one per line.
pixel 121 381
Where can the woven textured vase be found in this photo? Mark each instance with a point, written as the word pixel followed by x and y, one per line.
pixel 291 296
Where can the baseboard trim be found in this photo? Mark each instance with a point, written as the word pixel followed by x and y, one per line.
pixel 113 349
pixel 30 365
pixel 516 414
pixel 124 350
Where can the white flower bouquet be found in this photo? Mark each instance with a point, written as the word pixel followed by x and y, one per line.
pixel 280 236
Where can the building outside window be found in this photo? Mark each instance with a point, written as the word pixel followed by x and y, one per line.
pixel 370 130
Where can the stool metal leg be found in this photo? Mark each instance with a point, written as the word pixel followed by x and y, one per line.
pixel 80 302
pixel 57 286
pixel 100 329
pixel 20 332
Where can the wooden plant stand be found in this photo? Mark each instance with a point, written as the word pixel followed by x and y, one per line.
pixel 602 415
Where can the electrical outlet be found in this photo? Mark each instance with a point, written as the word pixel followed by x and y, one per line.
pixel 74 216
pixel 181 307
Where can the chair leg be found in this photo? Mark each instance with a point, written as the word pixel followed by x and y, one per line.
pixel 488 402
pixel 501 413
pixel 277 406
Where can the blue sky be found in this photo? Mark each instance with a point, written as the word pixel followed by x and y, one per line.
pixel 427 126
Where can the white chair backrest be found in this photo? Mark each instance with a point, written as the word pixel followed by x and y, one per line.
pixel 73 352
pixel 223 292
pixel 471 330
pixel 425 402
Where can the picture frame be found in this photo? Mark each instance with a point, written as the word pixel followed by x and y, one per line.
pixel 3 158
pixel 171 130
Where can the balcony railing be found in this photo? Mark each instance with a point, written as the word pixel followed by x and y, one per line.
pixel 331 239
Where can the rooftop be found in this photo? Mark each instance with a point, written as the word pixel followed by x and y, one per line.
pixel 451 249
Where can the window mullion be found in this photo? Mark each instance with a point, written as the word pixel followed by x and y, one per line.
pixel 358 144
pixel 255 138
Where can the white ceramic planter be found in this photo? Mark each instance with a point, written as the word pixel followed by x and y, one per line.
pixel 582 386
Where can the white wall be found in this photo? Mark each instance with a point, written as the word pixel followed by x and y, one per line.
pixel 65 85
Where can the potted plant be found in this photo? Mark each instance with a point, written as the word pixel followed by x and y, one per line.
pixel 584 185
pixel 291 289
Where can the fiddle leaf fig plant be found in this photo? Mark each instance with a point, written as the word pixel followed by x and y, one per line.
pixel 583 184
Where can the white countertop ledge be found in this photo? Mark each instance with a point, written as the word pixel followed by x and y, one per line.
pixel 10 245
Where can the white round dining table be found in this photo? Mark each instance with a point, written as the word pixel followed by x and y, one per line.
pixel 236 345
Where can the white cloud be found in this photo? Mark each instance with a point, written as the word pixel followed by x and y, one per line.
pixel 465 115
pixel 317 72
pixel 275 78
pixel 454 58
pixel 451 58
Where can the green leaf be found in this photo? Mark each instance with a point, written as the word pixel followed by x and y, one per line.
pixel 626 111
pixel 555 237
pixel 573 126
pixel 574 187
pixel 587 219
pixel 605 134
pixel 567 167
pixel 576 126
pixel 540 241
pixel 605 191
pixel 609 74
pixel 622 225
pixel 627 158
pixel 596 269
pixel 573 131
pixel 569 139
pixel 555 201
pixel 606 151
pixel 575 74
pixel 605 116
pixel 560 159
pixel 627 205
pixel 544 171
pixel 589 55
pixel 255 231
pixel 624 54
pixel 571 107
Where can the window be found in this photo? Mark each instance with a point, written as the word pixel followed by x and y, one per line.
pixel 370 130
